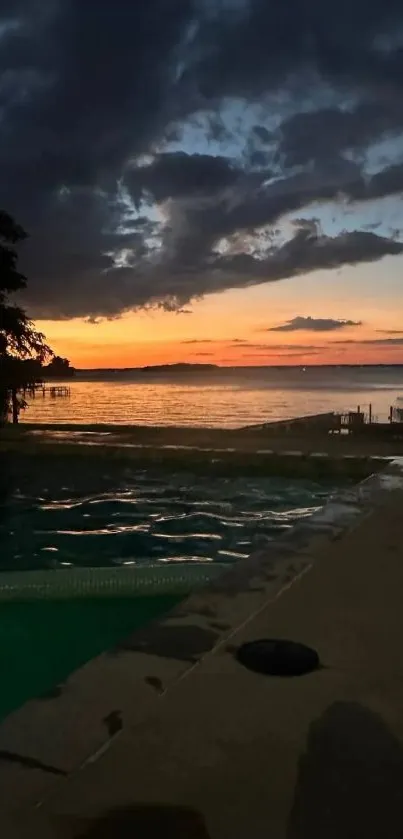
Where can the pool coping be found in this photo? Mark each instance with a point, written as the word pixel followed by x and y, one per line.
pixel 53 737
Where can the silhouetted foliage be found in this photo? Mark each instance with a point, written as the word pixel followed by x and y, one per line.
pixel 22 348
pixel 59 368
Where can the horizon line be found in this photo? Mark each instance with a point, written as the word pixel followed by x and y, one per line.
pixel 213 366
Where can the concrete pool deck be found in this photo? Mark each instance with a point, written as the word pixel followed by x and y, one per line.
pixel 36 437
pixel 170 719
pixel 199 450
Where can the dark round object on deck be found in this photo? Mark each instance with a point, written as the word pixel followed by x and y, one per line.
pixel 277 657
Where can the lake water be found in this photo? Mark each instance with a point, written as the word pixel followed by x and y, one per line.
pixel 227 397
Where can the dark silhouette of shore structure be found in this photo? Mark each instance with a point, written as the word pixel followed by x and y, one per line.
pixel 47 390
pixel 358 423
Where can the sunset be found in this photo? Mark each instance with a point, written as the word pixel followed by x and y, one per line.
pixel 201 419
pixel 254 196
pixel 235 327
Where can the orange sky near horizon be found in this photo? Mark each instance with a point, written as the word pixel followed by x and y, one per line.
pixel 232 328
pixel 139 354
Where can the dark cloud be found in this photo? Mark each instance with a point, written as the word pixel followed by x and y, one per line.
pixel 379 342
pixel 306 251
pixel 180 175
pixel 90 92
pixel 390 331
pixel 198 341
pixel 264 204
pixel 313 325
pixel 387 182
pixel 296 354
pixel 282 347
pixel 259 49
pixel 372 225
pixel 243 343
pixel 262 133
pixel 320 135
pixel 250 346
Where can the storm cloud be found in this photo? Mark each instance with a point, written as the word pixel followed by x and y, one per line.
pixel 129 204
pixel 180 175
pixel 322 134
pixel 310 324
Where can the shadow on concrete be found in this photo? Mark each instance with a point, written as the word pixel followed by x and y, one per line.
pixel 350 779
pixel 184 643
pixel 151 821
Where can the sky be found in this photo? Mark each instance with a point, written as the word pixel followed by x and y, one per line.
pixel 212 181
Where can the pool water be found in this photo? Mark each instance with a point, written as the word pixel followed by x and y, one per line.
pixel 111 516
pixel 41 643
pixel 135 517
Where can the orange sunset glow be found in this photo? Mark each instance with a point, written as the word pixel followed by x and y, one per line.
pixel 233 328
pixel 242 206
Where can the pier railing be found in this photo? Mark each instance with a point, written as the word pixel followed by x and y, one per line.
pixel 348 422
pixel 325 421
pixel 47 390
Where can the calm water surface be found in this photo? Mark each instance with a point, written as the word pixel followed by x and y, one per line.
pixel 227 398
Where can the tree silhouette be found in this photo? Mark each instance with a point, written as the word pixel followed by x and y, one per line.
pixel 59 367
pixel 22 349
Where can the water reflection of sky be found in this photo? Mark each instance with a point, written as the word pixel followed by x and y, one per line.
pixel 232 400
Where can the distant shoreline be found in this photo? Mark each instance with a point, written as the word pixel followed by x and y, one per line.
pixel 212 368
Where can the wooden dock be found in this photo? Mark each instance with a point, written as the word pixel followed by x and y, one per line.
pixel 324 422
pixel 54 391
pixel 357 423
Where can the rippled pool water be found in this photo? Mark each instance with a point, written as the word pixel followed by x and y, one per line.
pixel 58 513
pixel 138 517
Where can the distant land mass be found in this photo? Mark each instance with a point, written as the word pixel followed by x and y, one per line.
pixel 184 367
pixel 181 367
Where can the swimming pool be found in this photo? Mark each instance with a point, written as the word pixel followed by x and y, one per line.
pixel 123 516
pixel 116 516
